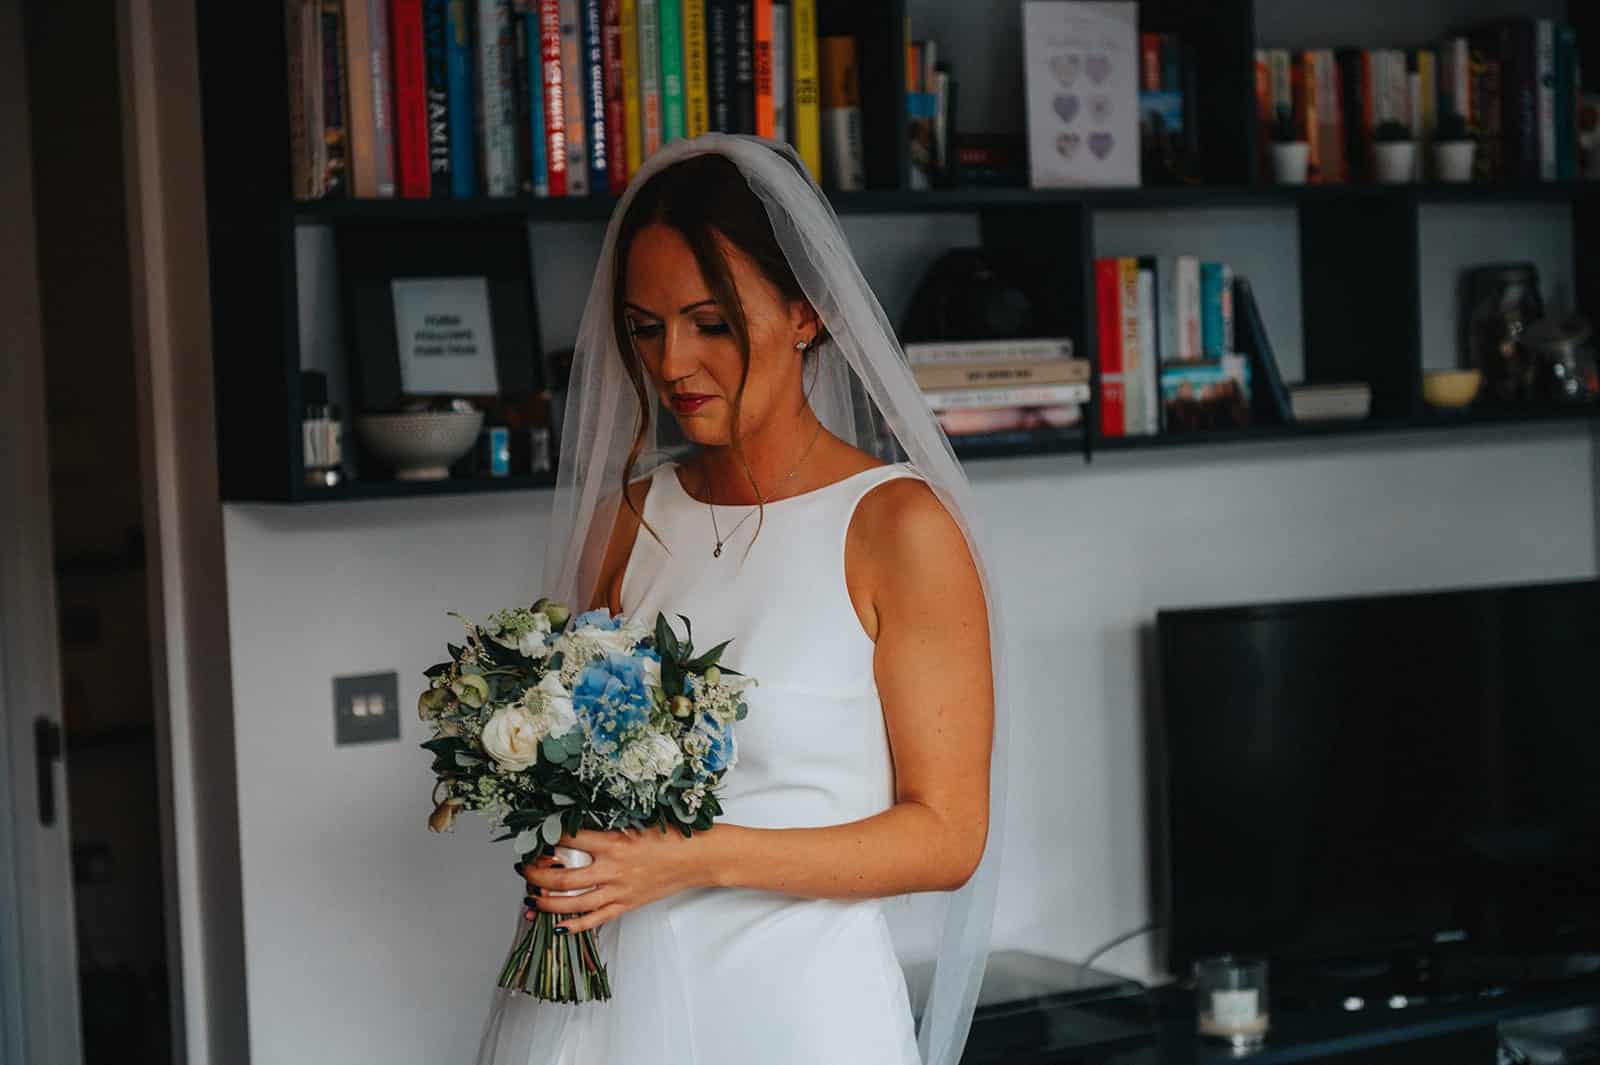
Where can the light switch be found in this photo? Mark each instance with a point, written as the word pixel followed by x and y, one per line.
pixel 366 708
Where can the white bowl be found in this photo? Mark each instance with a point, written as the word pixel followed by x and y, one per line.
pixel 421 445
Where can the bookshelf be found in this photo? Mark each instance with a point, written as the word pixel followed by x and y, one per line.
pixel 1358 266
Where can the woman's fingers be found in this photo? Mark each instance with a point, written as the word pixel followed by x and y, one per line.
pixel 599 917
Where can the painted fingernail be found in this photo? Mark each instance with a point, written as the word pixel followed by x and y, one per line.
pixel 561 930
pixel 557 865
pixel 531 902
pixel 518 867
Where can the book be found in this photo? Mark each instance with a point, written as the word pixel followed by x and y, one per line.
pixel 761 67
pixel 843 154
pixel 1545 89
pixel 1148 323
pixel 436 71
pixel 1108 321
pixel 1216 309
pixel 719 65
pixel 1270 399
pixel 780 71
pixel 497 116
pixel 574 98
pixel 538 140
pixel 1210 394
pixel 696 105
pixel 805 114
pixel 592 43
pixel 463 120
pixel 743 115
pixel 1133 380
pixel 297 23
pixel 1010 373
pixel 616 134
pixel 360 125
pixel 945 399
pixel 520 71
pixel 1187 344
pixel 632 101
pixel 673 121
pixel 334 100
pixel 554 95
pixel 1026 350
pixel 416 33
pixel 650 75
pixel 1089 133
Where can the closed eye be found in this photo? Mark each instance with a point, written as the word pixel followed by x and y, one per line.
pixel 712 328
pixel 644 330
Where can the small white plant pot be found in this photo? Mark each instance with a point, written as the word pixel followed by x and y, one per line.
pixel 1397 160
pixel 1452 160
pixel 1290 161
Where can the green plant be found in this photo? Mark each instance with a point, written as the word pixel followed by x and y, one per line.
pixel 1452 127
pixel 1283 129
pixel 1390 132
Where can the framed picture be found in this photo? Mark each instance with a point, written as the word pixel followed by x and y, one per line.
pixel 437 310
pixel 1081 59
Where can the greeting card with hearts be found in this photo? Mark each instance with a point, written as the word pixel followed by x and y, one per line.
pixel 1082 91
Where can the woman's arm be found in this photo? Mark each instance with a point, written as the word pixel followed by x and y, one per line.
pixel 918 595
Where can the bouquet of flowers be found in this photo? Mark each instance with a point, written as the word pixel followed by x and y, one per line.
pixel 548 723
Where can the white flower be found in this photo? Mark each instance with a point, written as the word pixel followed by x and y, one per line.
pixel 555 714
pixel 621 640
pixel 511 737
pixel 524 630
pixel 650 756
pixel 651 668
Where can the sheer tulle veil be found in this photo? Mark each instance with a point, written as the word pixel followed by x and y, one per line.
pixel 867 395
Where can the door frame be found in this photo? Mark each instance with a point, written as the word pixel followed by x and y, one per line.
pixel 38 940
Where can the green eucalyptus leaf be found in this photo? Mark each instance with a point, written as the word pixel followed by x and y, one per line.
pixel 527 840
pixel 554 750
pixel 562 800
pixel 551 829
pixel 740 712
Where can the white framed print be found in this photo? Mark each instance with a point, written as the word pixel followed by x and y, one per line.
pixel 1081 59
pixel 444 337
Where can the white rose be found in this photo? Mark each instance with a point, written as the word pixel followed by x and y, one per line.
pixel 559 715
pixel 531 643
pixel 511 737
pixel 652 672
pixel 617 641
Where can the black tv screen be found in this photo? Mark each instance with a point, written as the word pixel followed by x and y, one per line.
pixel 1356 777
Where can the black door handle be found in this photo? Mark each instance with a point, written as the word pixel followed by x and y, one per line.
pixel 46 753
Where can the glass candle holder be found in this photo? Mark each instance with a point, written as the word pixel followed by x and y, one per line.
pixel 1231 1000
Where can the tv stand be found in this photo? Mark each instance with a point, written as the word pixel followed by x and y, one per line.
pixel 1409 980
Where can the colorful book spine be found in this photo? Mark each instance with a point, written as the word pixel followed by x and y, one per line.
pixel 696 107
pixel 617 166
pixel 294 37
pixel 521 71
pixel 650 73
pixel 632 102
pixel 572 71
pixel 744 76
pixel 761 67
pixel 1216 309
pixel 673 122
pixel 1108 321
pixel 594 96
pixel 1148 307
pixel 780 71
pixel 412 56
pixel 720 64
pixel 1132 353
pixel 358 84
pixel 383 116
pixel 555 99
pixel 970 354
pixel 1566 102
pixel 335 174
pixel 943 399
pixel 463 122
pixel 1427 108
pixel 538 137
pixel 843 150
pixel 1545 54
pixel 806 117
pixel 1186 308
pixel 497 126
pixel 436 67
pixel 1007 374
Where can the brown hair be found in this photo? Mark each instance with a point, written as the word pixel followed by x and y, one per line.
pixel 704 197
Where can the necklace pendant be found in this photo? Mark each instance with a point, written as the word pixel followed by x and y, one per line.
pixel 718 552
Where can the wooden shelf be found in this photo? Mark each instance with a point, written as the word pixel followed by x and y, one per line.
pixel 959 200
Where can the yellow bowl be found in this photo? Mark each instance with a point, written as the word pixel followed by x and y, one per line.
pixel 1451 388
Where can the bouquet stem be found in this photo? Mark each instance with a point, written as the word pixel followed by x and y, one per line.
pixel 565 968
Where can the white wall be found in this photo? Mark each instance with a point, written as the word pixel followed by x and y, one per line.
pixel 370 940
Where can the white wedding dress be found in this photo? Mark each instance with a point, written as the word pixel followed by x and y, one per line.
pixel 762 978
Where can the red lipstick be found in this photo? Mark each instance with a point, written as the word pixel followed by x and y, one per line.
pixel 690 402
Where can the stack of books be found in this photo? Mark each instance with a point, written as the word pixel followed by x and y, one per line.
pixel 1002 391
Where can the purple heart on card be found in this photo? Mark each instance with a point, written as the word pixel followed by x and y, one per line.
pixel 1067 107
pixel 1100 108
pixel 1098 68
pixel 1067 145
pixel 1101 143
pixel 1065 68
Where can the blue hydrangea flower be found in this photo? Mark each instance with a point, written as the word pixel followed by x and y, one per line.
pixel 599 618
pixel 720 755
pixel 612 701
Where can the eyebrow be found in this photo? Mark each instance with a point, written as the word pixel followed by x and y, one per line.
pixel 685 309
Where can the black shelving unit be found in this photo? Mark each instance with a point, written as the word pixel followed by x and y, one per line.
pixel 1358 265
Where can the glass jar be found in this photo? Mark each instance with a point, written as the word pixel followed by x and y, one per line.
pixel 1504 301
pixel 1231 1000
pixel 1564 365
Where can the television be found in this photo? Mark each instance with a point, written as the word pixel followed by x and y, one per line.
pixel 1386 776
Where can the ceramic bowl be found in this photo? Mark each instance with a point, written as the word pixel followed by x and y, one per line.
pixel 420 445
pixel 1450 388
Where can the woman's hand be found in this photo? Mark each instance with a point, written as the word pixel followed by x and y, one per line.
pixel 631 868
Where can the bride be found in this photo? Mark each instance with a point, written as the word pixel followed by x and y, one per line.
pixel 869 768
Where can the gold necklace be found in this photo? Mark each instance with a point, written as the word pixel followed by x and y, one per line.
pixel 717 552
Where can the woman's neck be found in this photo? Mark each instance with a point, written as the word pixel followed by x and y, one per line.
pixel 778 458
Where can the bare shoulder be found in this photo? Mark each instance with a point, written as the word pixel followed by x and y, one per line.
pixel 904 517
